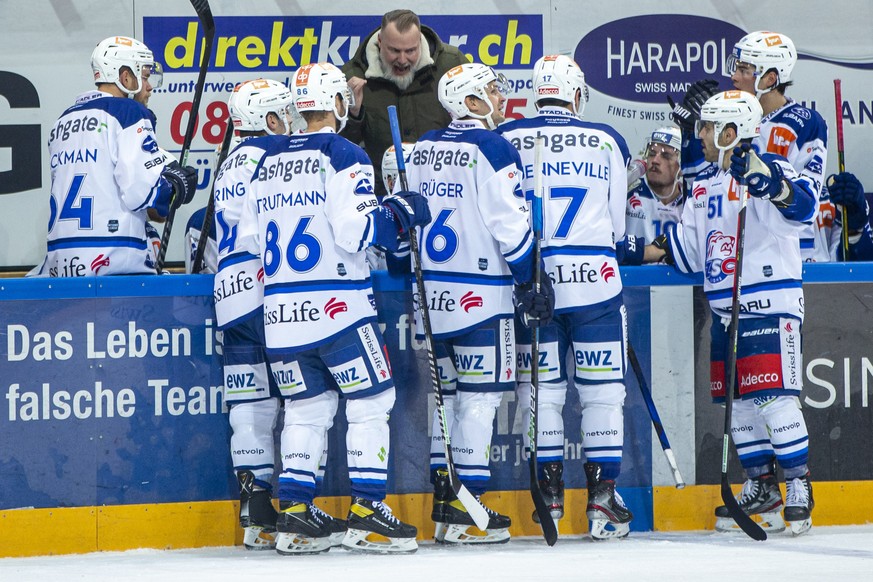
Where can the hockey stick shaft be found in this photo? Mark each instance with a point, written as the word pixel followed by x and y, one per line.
pixel 653 414
pixel 752 529
pixel 550 530
pixel 208 216
pixel 841 159
pixel 471 504
pixel 204 14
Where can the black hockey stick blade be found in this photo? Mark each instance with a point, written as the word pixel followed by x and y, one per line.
pixel 746 523
pixel 473 506
pixel 550 530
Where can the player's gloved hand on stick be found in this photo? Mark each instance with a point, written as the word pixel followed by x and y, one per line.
pixel 661 244
pixel 183 179
pixel 688 112
pixel 410 209
pixel 535 308
pixel 764 179
pixel 847 191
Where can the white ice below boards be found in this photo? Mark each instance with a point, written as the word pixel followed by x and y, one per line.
pixel 826 553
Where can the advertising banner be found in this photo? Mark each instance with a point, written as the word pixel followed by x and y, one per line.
pixel 114 396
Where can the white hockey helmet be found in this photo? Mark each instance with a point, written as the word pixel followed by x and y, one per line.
pixel 764 50
pixel 559 77
pixel 732 107
pixel 252 101
pixel 469 79
pixel 389 163
pixel 668 135
pixel 115 52
pixel 315 88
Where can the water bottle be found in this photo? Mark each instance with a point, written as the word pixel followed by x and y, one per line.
pixel 636 169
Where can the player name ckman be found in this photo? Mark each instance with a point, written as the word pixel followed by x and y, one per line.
pixel 133 342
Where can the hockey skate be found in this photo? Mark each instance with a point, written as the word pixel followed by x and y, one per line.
pixel 608 516
pixel 552 488
pixel 455 526
pixel 799 504
pixel 301 530
pixel 336 526
pixel 374 529
pixel 760 497
pixel 257 516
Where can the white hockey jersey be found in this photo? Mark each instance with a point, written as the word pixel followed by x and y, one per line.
pixel 106 172
pixel 706 238
pixel 308 216
pixel 647 217
pixel 239 283
pixel 584 196
pixel 472 180
pixel 800 135
pixel 192 240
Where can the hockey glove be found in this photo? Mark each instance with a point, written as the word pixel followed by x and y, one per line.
pixel 535 308
pixel 661 244
pixel 410 209
pixel 686 114
pixel 764 179
pixel 183 179
pixel 847 191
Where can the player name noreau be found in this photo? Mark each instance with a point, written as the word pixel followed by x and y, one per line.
pixel 133 342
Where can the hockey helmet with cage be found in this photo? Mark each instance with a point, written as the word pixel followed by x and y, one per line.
pixel 115 52
pixel 764 50
pixel 469 80
pixel 389 163
pixel 731 107
pixel 315 88
pixel 559 77
pixel 252 101
pixel 669 136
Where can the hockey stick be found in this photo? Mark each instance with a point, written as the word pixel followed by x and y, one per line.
pixel 204 14
pixel 841 160
pixel 752 529
pixel 471 504
pixel 653 414
pixel 197 264
pixel 550 530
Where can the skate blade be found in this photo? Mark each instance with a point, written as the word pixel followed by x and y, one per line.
pixel 556 513
pixel 455 534
pixel 256 538
pixel 769 522
pixel 294 544
pixel 603 529
pixel 336 539
pixel 800 527
pixel 359 540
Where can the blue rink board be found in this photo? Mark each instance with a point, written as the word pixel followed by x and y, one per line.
pixel 159 433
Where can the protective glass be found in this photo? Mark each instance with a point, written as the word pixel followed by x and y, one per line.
pixel 699 125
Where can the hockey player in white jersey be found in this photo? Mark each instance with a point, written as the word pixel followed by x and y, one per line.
pixel 310 213
pixel 767 422
pixel 260 113
pixel 660 197
pixel 478 247
pixel 108 170
pixel 584 195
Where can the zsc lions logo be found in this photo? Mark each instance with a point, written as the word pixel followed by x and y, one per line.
pixel 149 145
pixel 363 187
pixel 720 259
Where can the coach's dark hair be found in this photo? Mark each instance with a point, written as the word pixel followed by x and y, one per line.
pixel 402 19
